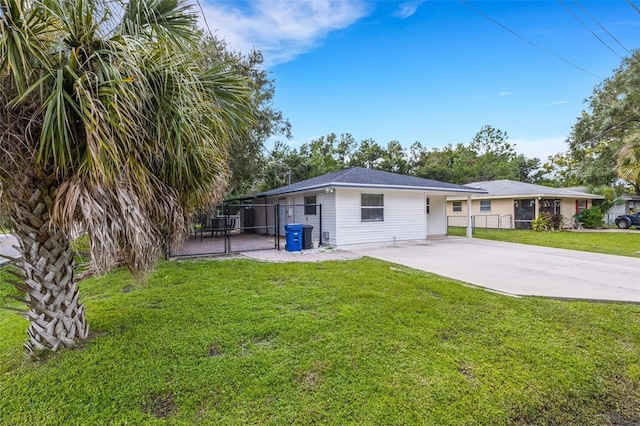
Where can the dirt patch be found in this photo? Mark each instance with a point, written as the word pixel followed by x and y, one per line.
pixel 161 406
pixel 215 350
pixel 312 378
pixel 466 370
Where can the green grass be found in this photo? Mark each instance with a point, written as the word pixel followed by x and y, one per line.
pixel 617 243
pixel 359 342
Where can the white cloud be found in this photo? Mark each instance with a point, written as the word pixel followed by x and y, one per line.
pixel 506 93
pixel 557 103
pixel 407 9
pixel 540 148
pixel 282 30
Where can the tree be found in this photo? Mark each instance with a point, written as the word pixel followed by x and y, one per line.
pixel 109 122
pixel 247 157
pixel 628 161
pixel 614 113
pixel 394 159
pixel 489 156
pixel 559 170
pixel 368 154
pixel 493 156
pixel 448 164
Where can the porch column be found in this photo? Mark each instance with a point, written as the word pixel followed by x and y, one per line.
pixel 469 230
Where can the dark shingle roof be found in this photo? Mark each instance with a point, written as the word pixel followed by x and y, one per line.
pixel 368 178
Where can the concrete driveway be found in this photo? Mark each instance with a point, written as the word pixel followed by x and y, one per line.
pixel 520 269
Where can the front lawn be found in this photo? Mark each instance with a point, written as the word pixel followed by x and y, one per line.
pixel 618 243
pixel 358 342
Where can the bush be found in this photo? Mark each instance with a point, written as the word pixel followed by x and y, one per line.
pixel 557 220
pixel 591 218
pixel 547 222
pixel 542 222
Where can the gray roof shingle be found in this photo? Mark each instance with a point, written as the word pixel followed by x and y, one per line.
pixel 363 177
pixel 512 188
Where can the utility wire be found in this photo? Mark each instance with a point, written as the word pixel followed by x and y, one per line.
pixel 601 26
pixel 548 52
pixel 633 6
pixel 588 29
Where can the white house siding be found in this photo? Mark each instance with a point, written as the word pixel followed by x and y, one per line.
pixel 404 217
pixel 437 218
pixel 293 208
pixel 327 201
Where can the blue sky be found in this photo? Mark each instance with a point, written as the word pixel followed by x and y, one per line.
pixel 432 71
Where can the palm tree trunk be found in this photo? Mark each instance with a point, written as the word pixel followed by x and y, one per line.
pixel 57 318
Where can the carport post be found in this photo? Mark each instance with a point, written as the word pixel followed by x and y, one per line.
pixel 469 216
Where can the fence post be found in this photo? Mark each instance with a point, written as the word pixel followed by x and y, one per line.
pixel 276 213
pixel 227 237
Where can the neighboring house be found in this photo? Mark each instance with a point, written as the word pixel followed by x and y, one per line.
pixel 630 203
pixel 361 206
pixel 510 204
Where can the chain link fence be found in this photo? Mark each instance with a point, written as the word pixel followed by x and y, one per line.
pixel 230 228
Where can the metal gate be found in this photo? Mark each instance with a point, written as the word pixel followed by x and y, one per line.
pixel 231 228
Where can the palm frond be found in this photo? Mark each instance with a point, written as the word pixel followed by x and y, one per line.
pixel 159 19
pixel 22 51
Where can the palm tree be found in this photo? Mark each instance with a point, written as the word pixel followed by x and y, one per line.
pixel 105 120
pixel 628 160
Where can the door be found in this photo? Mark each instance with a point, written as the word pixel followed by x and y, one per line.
pixel 524 211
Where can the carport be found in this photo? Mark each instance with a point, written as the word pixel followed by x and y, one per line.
pixel 520 269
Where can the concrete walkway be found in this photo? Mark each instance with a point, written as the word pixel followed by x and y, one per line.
pixel 315 255
pixel 521 269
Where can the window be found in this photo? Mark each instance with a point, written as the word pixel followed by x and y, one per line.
pixel 582 205
pixel 310 205
pixel 485 205
pixel 457 206
pixel 428 202
pixel 372 207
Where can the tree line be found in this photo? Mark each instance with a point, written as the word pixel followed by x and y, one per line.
pixel 488 156
pixel 603 150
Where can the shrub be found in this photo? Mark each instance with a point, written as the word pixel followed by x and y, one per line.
pixel 547 222
pixel 591 218
pixel 557 220
pixel 542 222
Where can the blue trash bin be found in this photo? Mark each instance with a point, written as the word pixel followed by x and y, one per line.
pixel 293 232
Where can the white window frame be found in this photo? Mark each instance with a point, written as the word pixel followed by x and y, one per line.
pixel 486 207
pixel 370 208
pixel 457 206
pixel 310 206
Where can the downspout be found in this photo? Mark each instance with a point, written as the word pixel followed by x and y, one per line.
pixel 320 237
